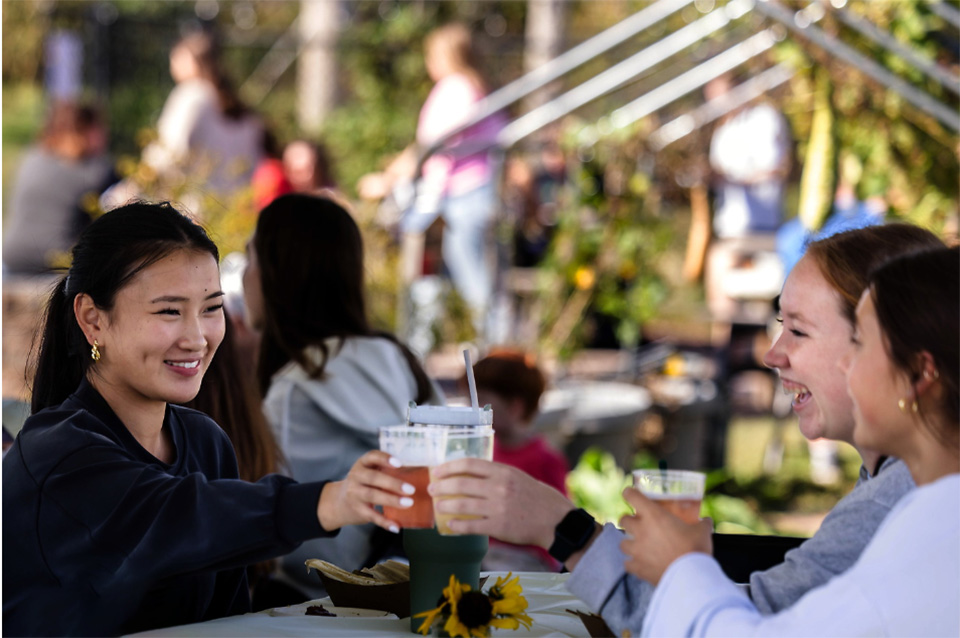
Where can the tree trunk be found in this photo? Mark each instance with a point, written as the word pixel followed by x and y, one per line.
pixel 317 66
pixel 546 25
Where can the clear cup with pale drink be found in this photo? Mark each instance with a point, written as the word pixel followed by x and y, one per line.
pixel 680 492
pixel 469 435
pixel 418 448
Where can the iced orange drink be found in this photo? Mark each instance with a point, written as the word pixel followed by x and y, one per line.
pixel 420 514
pixel 418 448
pixel 678 491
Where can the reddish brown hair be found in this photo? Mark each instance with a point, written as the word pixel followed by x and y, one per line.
pixel 512 374
pixel 846 259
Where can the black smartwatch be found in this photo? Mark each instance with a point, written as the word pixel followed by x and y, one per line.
pixel 571 534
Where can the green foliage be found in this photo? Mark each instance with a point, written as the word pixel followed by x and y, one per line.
pixel 595 485
pixel 605 250
pixel 899 153
pixel 24 25
pixel 734 503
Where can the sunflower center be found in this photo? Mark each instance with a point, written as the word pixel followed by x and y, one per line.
pixel 474 609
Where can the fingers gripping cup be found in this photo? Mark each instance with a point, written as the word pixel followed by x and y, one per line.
pixel 474 442
pixel 678 491
pixel 418 448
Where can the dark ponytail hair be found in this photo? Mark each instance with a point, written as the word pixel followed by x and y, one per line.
pixel 310 254
pixel 108 254
pixel 917 299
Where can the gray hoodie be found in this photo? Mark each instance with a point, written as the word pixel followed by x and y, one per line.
pixel 600 581
pixel 324 425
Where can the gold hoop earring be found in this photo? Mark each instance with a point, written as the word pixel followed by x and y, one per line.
pixel 95 351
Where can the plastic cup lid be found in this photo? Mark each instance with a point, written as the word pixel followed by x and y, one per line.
pixel 449 415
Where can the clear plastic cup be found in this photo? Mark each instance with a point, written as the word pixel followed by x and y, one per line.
pixel 418 448
pixel 680 492
pixel 475 442
pixel 469 435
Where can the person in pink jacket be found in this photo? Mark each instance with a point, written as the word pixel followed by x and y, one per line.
pixel 457 183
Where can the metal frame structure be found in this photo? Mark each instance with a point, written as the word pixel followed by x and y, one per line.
pixel 801 23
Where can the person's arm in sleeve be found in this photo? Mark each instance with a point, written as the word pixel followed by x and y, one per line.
pixel 140 517
pixel 836 546
pixel 599 580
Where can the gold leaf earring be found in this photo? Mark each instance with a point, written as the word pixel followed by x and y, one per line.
pixel 95 351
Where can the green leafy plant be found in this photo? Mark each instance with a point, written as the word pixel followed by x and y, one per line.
pixel 604 252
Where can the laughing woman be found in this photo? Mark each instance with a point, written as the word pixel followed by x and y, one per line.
pixel 123 512
pixel 902 376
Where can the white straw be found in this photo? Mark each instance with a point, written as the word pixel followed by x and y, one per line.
pixel 472 382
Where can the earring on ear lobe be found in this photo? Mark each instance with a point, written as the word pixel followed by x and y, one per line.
pixel 902 404
pixel 95 351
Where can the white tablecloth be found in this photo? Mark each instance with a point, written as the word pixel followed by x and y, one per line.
pixel 546 596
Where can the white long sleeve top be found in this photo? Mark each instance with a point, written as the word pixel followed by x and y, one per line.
pixel 906 583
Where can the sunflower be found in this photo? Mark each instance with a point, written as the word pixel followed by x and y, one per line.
pixel 470 614
pixel 509 605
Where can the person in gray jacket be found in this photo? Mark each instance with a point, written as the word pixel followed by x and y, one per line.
pixel 817 307
pixel 329 380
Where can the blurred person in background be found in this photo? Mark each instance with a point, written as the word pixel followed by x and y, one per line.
pixel 512 383
pixel 329 379
pixel 56 189
pixel 269 180
pixel 307 166
pixel 750 155
pixel 205 129
pixel 457 186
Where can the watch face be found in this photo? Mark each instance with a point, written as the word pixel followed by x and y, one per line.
pixel 571 534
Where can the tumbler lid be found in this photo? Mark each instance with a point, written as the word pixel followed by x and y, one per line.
pixel 449 415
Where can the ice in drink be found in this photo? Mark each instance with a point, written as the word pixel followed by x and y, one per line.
pixel 420 514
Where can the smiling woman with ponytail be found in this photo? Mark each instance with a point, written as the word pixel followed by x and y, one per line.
pixel 122 511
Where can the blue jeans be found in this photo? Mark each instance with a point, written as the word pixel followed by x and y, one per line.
pixel 467 251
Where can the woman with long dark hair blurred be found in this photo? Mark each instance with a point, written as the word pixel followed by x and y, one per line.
pixel 330 380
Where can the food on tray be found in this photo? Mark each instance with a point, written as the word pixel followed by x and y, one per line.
pixel 385 573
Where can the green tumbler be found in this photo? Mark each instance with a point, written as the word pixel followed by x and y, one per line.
pixel 433 558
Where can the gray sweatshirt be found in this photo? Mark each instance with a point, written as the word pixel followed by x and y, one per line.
pixel 324 425
pixel 622 599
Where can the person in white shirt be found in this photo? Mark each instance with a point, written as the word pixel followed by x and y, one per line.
pixel 902 376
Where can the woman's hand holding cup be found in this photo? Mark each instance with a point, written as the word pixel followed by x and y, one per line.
pixel 353 500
